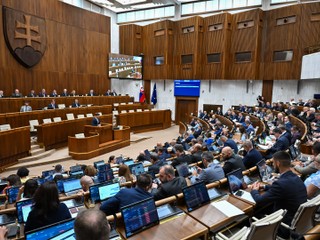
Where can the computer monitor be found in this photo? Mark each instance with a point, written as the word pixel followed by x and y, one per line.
pixel 103 167
pixel 139 216
pixel 12 194
pixel 103 191
pixel 98 163
pixel 23 209
pixel 105 176
pixel 77 174
pixel 75 168
pixel 60 185
pixel 51 231
pixel 119 160
pixel 136 168
pixel 195 196
pixel 47 173
pixel 128 162
pixel 71 185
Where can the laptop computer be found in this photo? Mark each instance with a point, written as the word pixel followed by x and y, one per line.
pixel 139 216
pixel 96 164
pixel 6 219
pixel 105 176
pixel 215 193
pixel 103 191
pixel 237 185
pixel 119 160
pixel 195 196
pixel 23 208
pixel 128 162
pixel 265 171
pixel 12 194
pixel 184 170
pixel 103 167
pixel 136 168
pixel 47 173
pixel 167 210
pixel 51 231
pixel 71 186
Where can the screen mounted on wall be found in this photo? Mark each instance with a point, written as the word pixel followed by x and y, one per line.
pixel 125 66
pixel 186 88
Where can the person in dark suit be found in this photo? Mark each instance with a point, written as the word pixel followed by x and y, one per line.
pixel 32 94
pixel 52 105
pixel 76 103
pixel 281 144
pixel 16 93
pixel 64 93
pixel 91 93
pixel 170 185
pixel 108 93
pixel 127 196
pixel 227 142
pixel 289 192
pixel 54 93
pixel 114 93
pixel 42 93
pixel 156 163
pixel 181 156
pixel 252 157
pixel 232 161
pixel 96 121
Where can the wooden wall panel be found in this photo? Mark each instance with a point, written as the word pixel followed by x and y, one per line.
pixel 158 41
pixel 283 37
pixel 130 39
pixel 310 27
pixel 188 43
pixel 78 43
pixel 246 37
pixel 216 39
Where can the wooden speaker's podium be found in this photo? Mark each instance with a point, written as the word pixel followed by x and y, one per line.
pixel 98 140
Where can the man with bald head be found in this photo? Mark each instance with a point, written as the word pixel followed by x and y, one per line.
pixel 231 161
pixel 86 182
pixel 91 224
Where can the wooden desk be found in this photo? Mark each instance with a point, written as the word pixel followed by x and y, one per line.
pixel 52 135
pixel 134 107
pixel 15 144
pixel 145 121
pixel 226 121
pixel 176 228
pixel 104 131
pixel 214 219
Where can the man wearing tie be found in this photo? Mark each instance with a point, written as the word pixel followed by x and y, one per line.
pixel 91 93
pixel 26 107
pixel 96 121
pixel 52 105
pixel 76 103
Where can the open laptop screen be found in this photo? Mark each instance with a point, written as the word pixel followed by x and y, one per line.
pixel 103 191
pixel 98 163
pixel 236 181
pixel 136 168
pixel 23 209
pixel 195 195
pixel 128 162
pixel 265 171
pixel 12 194
pixel 50 231
pixel 47 173
pixel 71 185
pixel 139 216
pixel 105 176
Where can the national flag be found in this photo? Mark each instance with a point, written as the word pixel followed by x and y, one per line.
pixel 154 99
pixel 142 96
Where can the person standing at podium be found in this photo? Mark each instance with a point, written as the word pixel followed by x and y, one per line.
pixel 95 120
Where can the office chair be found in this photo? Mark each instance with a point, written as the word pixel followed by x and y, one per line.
pixel 261 229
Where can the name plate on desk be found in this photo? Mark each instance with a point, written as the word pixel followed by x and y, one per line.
pixel 227 208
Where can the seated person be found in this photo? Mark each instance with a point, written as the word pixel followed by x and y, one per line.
pixel 212 172
pixel 156 163
pixel 59 173
pixel 125 174
pixel 47 208
pixel 281 144
pixel 23 173
pixel 252 157
pixel 91 224
pixel 28 189
pixel 13 181
pixel 231 161
pixel 181 156
pixel 16 93
pixel 76 104
pixel 127 196
pixel 26 107
pixel 32 93
pixel 288 192
pixel 86 182
pixel 73 93
pixel 52 105
pixel 91 93
pixel 1 94
pixel 112 161
pixel 229 143
pixel 42 93
pixel 312 183
pixel 170 185
pixel 54 93
pixel 96 121
pixel 64 93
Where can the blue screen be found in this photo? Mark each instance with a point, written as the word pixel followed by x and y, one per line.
pixel 196 195
pixel 187 88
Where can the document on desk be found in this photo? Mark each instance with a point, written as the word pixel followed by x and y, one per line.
pixel 263 147
pixel 227 208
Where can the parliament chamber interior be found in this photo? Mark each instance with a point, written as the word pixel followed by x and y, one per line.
pixel 160 119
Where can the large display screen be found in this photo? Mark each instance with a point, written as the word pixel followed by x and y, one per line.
pixel 186 88
pixel 125 66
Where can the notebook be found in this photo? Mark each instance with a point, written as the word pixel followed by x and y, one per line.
pixel 195 196
pixel 50 231
pixel 139 216
pixel 103 191
pixel 265 171
pixel 136 168
pixel 71 187
pixel 12 194
pixel 237 184
pixel 23 209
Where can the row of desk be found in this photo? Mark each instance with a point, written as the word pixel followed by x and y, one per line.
pixel 8 105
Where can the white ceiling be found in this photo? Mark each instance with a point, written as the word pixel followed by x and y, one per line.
pixel 129 5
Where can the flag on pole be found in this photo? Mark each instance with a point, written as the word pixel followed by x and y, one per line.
pixel 154 99
pixel 142 96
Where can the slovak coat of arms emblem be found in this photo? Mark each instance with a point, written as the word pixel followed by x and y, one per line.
pixel 25 36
